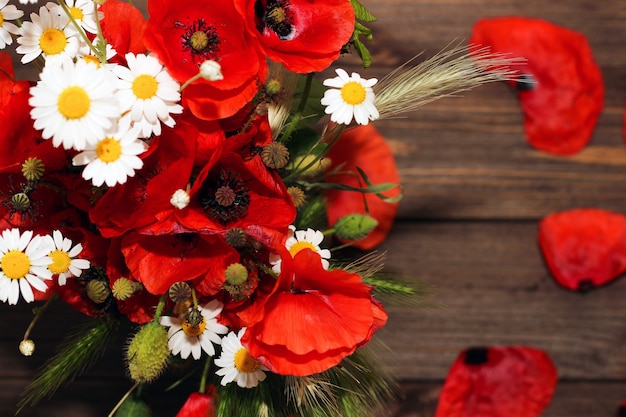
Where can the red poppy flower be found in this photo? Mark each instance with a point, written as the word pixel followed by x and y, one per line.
pixel 123 26
pixel 185 34
pixel 584 248
pixel 199 404
pixel 498 381
pixel 139 306
pixel 304 36
pixel 376 159
pixel 142 200
pixel 313 319
pixel 564 95
pixel 160 261
pixel 232 193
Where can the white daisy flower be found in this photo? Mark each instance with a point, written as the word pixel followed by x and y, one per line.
pixel 74 104
pixel 64 261
pixel 83 12
pixel 8 12
pixel 298 240
pixel 352 96
pixel 113 158
pixel 29 1
pixel 236 363
pixel 24 262
pixel 195 331
pixel 148 92
pixel 48 34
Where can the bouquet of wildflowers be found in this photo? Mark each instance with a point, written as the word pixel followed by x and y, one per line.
pixel 187 173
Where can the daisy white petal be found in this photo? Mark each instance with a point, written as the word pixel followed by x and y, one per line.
pixel 20 261
pixel 350 97
pixel 236 363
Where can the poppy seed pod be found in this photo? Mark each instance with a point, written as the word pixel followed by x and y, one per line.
pixel 559 85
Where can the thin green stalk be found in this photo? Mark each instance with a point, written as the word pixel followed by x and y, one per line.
pixel 205 374
pixel 297 117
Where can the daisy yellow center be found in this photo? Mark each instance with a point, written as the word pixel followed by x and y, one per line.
pixel 52 41
pixel 1 19
pixel 15 264
pixel 192 329
pixel 60 262
pixel 145 86
pixel 74 102
pixel 298 246
pixel 353 93
pixel 244 362
pixel 76 13
pixel 92 59
pixel 108 150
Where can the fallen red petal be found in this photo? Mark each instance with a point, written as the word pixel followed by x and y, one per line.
pixel 584 248
pixel 498 381
pixel 562 102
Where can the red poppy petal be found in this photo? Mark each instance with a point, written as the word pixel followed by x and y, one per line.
pixel 376 159
pixel 584 248
pixel 562 104
pixel 498 381
pixel 123 27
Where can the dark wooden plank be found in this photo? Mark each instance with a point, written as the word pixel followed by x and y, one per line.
pixel 490 287
pixel 468 158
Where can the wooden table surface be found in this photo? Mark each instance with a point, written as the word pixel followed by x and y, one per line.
pixel 475 191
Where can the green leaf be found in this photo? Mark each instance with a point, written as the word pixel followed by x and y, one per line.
pixel 361 13
pixel 362 51
pixel 79 353
pixel 382 197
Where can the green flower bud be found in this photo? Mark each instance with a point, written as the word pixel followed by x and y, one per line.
pixel 98 291
pixel 124 288
pixel 236 274
pixel 354 226
pixel 147 354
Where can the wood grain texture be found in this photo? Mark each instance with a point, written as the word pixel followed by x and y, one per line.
pixel 474 191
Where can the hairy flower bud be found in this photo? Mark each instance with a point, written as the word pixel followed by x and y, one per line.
pixel 354 226
pixel 27 347
pixel 147 354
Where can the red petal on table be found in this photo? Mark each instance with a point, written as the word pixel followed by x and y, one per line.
pixel 498 381
pixel 562 105
pixel 584 248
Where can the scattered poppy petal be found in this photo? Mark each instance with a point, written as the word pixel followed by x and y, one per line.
pixel 498 381
pixel 564 92
pixel 584 248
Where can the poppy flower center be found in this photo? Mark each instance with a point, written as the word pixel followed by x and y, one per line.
pixel 60 262
pixel 224 197
pixel 276 16
pixel 108 150
pixel 73 102
pixel 194 324
pixel 145 86
pixel 353 93
pixel 15 264
pixel 76 13
pixel 298 246
pixel 52 41
pixel 245 363
pixel 200 40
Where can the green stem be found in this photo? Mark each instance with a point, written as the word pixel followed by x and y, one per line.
pixel 80 30
pixel 38 314
pixel 295 119
pixel 121 401
pixel 194 297
pixel 159 308
pixel 205 374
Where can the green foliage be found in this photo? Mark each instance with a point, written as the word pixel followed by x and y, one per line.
pixel 362 14
pixel 79 353
pixel 133 406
